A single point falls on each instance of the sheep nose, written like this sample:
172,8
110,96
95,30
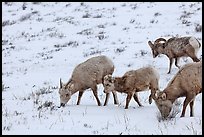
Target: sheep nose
104,91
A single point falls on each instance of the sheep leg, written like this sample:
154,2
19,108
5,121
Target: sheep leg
153,91
94,89
170,65
79,97
115,97
137,100
107,98
176,62
191,108
150,99
129,96
186,101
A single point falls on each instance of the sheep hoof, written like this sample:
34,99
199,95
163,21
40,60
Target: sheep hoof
181,116
150,101
116,103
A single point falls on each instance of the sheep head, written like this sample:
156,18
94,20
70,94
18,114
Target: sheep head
108,83
65,92
164,105
157,47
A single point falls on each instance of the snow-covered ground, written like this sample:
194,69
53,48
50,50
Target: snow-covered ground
43,42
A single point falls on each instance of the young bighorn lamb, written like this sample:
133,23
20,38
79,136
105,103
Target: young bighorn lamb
87,75
132,82
174,48
186,83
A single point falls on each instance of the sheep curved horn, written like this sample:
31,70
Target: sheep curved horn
159,39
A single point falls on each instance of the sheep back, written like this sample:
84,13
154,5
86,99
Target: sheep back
179,45
142,78
92,71
188,78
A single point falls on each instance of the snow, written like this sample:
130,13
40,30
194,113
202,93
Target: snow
45,41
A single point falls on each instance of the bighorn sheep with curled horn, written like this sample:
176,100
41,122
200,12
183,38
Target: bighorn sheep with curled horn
87,75
186,83
174,48
132,82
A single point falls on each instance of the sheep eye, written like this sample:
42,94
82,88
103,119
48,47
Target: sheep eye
67,95
107,84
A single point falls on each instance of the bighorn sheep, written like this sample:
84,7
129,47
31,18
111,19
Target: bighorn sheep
132,82
186,83
176,48
87,75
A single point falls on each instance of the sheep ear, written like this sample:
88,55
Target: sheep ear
156,94
70,86
60,83
110,78
163,96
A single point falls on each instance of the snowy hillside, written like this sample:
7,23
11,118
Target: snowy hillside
43,42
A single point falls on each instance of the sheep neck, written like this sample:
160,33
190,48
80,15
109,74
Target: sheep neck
172,93
119,85
73,90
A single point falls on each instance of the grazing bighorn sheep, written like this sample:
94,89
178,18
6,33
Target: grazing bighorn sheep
132,82
176,48
87,75
186,83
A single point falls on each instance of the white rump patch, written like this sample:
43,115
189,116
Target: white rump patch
194,42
